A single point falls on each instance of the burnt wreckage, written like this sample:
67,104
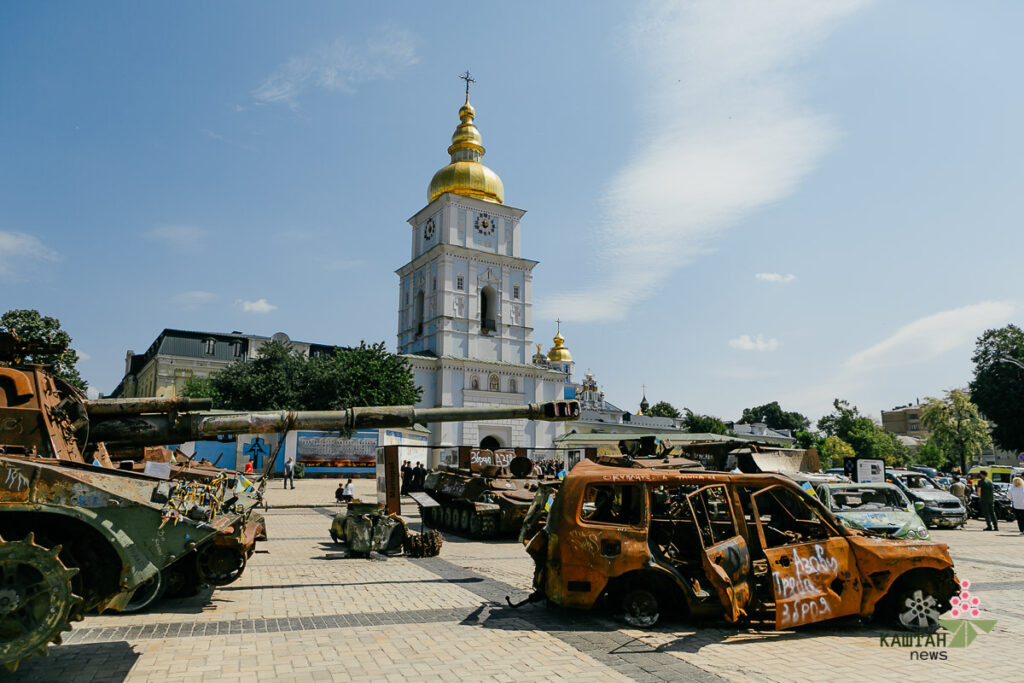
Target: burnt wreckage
79,534
747,547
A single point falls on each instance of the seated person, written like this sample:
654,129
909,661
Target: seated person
339,493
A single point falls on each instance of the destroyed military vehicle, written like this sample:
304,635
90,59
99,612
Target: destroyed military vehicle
745,547
366,528
877,507
77,534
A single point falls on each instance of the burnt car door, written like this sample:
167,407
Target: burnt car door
726,557
814,573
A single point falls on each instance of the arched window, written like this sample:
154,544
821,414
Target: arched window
490,443
475,383
419,313
494,383
488,309
512,385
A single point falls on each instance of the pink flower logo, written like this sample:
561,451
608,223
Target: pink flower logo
965,604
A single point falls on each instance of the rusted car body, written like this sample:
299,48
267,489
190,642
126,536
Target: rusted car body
744,546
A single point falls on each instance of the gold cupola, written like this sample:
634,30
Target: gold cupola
558,352
465,175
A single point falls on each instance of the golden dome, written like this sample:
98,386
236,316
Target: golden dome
465,175
558,352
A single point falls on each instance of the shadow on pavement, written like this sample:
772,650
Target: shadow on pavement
79,663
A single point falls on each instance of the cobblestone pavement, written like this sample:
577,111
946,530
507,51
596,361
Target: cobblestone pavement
302,613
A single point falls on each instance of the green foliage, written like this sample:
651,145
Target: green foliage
834,451
867,439
806,439
775,417
282,379
930,454
998,386
956,426
664,409
703,424
33,328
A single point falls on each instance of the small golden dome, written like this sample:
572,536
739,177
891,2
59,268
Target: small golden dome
465,175
558,352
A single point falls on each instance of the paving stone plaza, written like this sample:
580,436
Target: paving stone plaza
302,612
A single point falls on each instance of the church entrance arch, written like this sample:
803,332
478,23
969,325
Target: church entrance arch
490,443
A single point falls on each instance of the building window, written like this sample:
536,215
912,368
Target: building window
494,383
210,344
419,313
515,291
459,282
488,310
512,385
435,283
475,382
236,349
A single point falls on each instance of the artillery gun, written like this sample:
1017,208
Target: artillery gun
77,534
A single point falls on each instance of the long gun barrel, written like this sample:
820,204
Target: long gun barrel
137,429
139,406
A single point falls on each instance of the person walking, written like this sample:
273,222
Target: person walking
959,489
1017,501
289,472
406,477
419,473
248,467
987,499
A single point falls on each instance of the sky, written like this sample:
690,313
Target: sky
732,203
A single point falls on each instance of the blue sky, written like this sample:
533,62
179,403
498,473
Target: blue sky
731,202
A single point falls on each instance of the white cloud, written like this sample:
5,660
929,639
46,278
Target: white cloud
745,342
191,300
83,356
340,66
775,277
258,306
932,336
20,251
180,237
723,131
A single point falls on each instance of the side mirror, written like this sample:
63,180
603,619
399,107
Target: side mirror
918,505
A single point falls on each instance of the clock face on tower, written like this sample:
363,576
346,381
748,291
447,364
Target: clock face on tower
484,224
428,229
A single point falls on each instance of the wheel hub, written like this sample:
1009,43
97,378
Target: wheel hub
10,600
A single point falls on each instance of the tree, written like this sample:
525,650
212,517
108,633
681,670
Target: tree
806,439
867,439
664,409
930,454
33,328
998,386
283,379
834,451
775,417
956,426
703,424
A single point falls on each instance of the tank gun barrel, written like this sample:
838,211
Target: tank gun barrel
138,406
160,429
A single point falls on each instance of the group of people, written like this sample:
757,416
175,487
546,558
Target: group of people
412,477
344,492
987,502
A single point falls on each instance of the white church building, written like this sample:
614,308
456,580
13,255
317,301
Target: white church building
465,306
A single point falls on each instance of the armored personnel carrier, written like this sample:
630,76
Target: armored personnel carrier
77,534
480,502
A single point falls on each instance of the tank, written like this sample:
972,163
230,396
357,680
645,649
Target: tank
483,501
78,534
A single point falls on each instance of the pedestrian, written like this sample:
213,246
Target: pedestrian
1017,501
289,471
986,496
419,473
959,489
339,493
406,477
248,467
350,491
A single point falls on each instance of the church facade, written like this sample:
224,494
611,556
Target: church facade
465,306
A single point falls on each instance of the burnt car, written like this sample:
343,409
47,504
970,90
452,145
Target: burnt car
938,507
746,547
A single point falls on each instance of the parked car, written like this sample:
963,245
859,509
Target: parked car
740,546
1001,498
939,508
881,508
930,471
